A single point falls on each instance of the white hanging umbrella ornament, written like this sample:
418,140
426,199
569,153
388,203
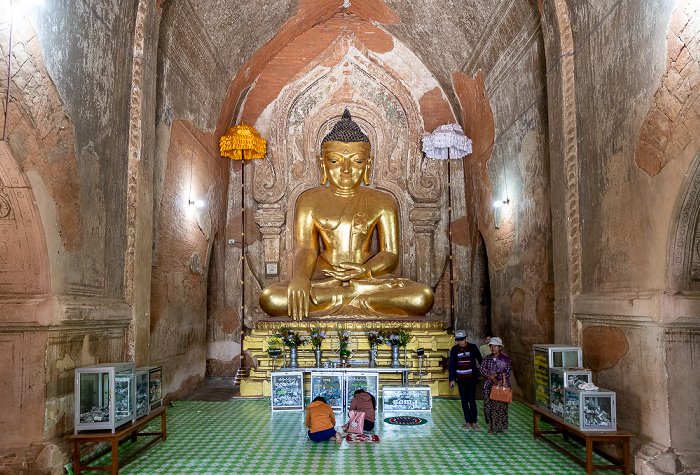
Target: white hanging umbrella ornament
445,143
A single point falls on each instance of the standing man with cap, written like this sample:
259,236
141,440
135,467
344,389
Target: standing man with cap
465,372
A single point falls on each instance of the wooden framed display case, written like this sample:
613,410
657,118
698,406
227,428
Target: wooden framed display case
330,386
287,391
414,398
552,356
104,396
560,378
590,410
368,381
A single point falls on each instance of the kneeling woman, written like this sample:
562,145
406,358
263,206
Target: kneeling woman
362,401
321,421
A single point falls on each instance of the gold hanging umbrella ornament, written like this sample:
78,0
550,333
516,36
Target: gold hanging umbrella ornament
242,142
240,139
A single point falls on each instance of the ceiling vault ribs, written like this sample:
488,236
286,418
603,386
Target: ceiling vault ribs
210,45
486,38
530,32
208,61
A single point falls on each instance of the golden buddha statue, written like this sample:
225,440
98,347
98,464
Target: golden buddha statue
334,270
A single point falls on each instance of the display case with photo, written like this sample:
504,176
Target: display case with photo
330,386
367,381
287,391
590,410
412,398
551,356
560,378
104,396
141,403
152,393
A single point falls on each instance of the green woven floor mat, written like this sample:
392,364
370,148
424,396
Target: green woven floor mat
246,438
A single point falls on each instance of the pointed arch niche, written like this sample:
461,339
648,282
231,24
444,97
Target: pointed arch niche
387,112
683,271
681,302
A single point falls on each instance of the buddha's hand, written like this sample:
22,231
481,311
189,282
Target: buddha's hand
299,293
349,270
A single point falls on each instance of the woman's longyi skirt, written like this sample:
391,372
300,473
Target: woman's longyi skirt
322,435
495,414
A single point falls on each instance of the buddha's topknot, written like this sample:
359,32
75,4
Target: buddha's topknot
346,130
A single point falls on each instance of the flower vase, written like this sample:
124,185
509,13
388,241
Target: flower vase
373,356
344,357
318,352
395,363
293,363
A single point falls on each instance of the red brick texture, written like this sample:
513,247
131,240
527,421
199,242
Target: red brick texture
295,46
194,164
673,121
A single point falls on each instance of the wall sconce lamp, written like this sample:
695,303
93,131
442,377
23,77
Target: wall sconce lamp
506,201
500,204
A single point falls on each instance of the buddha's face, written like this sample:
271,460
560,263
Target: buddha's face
345,164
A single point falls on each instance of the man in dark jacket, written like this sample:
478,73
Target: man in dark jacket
465,372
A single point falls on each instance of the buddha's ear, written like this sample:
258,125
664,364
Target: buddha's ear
322,167
368,169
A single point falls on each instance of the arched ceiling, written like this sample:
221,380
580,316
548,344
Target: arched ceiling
216,49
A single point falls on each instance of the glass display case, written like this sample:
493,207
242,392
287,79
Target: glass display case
330,386
552,356
560,378
590,410
354,381
413,398
287,391
155,386
150,394
104,396
141,403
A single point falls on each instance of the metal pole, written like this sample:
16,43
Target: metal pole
449,238
242,253
420,371
241,373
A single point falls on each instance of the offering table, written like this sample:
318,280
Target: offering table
129,431
589,438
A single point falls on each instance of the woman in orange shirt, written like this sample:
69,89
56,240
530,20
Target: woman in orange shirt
321,421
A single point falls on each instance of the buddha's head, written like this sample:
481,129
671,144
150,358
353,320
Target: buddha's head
345,158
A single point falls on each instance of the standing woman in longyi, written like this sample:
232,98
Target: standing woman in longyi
494,367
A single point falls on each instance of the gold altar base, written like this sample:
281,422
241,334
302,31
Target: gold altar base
428,335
